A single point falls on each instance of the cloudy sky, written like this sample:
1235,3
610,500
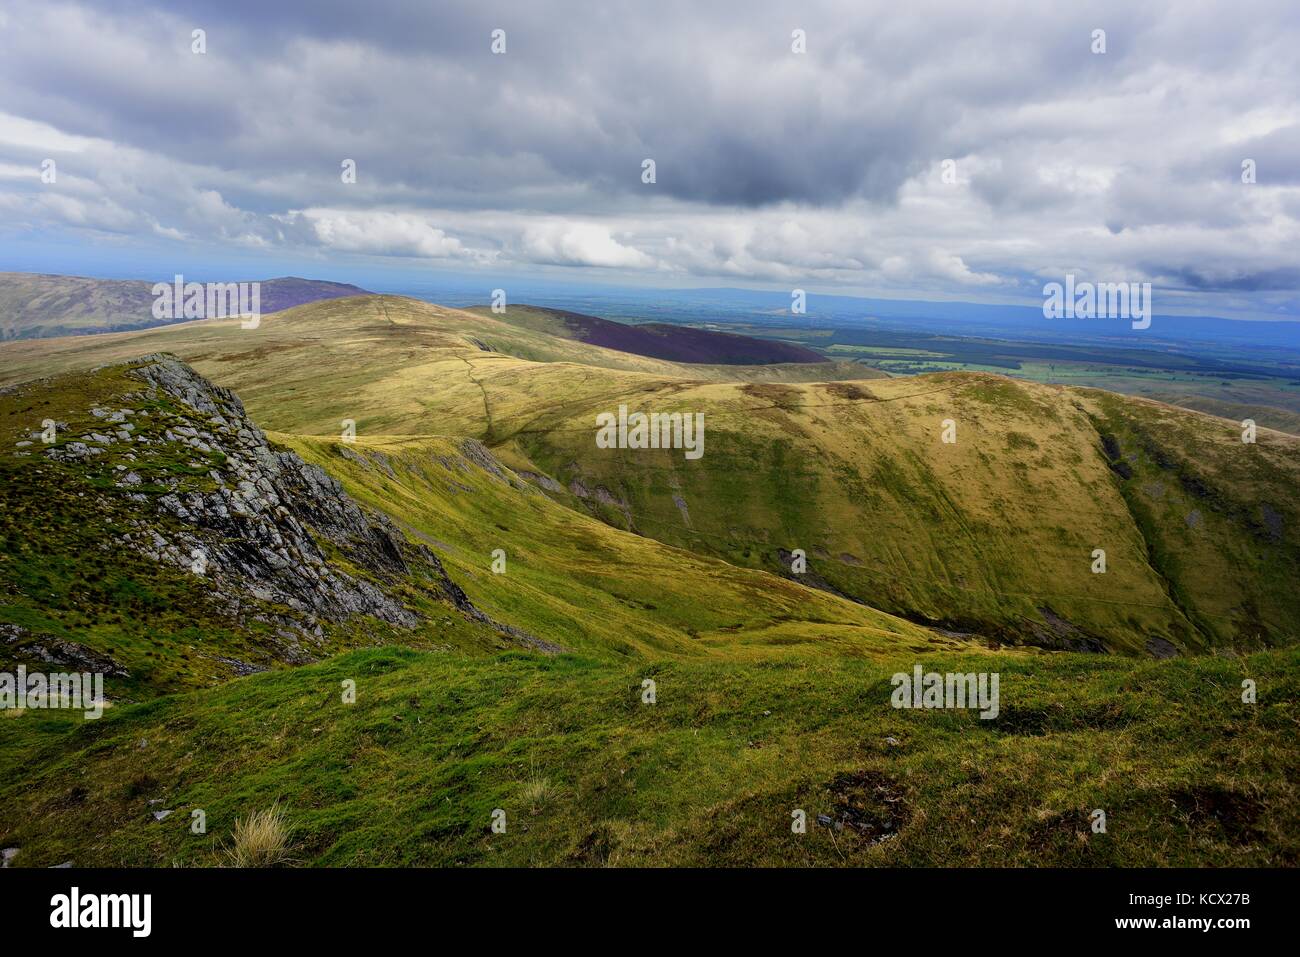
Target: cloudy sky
823,169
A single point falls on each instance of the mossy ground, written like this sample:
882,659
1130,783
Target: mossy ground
710,774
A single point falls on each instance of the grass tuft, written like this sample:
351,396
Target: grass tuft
261,839
537,790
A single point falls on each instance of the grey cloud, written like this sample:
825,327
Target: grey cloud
770,165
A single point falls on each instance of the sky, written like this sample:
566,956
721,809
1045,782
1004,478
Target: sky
913,150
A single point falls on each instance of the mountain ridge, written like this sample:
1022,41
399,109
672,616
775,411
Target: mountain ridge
698,688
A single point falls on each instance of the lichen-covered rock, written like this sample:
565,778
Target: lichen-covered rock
258,525
266,518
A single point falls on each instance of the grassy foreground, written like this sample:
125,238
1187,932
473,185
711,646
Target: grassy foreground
587,774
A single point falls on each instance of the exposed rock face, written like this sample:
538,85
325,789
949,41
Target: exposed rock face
70,654
256,524
217,500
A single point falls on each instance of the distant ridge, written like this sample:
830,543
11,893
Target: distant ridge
39,305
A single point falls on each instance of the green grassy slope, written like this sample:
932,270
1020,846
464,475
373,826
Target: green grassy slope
708,775
591,588
1220,516
993,534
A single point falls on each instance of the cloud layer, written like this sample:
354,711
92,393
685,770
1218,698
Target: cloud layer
925,149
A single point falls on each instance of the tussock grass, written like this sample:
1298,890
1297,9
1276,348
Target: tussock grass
537,790
261,839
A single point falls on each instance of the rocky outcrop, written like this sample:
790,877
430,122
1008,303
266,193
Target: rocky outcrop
258,520
216,499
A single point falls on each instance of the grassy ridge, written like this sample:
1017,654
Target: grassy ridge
772,692
35,305
993,534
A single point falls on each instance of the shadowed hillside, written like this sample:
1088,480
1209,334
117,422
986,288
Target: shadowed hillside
657,340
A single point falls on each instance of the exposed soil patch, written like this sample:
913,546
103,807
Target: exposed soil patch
868,806
594,847
1057,633
808,576
1234,812
1158,647
784,397
847,390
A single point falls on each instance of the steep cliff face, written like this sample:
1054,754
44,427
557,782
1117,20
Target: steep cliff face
164,479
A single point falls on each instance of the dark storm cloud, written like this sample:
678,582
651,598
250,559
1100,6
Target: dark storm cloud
713,94
1271,280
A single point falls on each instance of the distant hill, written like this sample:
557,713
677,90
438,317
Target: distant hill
37,305
657,340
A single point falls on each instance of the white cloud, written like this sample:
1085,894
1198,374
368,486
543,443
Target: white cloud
18,131
381,234
579,244
951,267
